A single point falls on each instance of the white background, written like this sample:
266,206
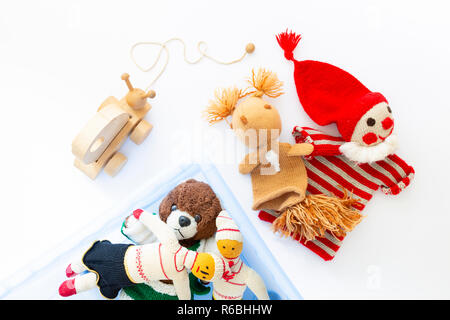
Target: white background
60,59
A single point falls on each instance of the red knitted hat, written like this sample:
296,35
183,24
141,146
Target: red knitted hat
327,93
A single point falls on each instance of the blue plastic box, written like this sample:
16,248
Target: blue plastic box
42,279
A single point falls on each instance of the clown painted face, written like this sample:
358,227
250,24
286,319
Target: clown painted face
372,139
374,126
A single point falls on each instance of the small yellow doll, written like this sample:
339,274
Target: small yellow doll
279,178
230,243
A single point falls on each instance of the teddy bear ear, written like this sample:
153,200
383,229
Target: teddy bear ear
166,205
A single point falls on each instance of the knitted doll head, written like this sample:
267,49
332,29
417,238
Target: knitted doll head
255,121
229,239
208,267
329,94
191,209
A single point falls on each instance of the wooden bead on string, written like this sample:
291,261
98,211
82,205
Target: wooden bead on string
201,48
249,48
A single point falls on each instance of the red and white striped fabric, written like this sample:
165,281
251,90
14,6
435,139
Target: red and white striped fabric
329,171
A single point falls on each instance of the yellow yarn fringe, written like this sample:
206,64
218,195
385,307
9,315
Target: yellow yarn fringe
263,82
266,82
223,105
316,214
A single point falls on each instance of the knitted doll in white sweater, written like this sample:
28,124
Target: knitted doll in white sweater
230,243
115,266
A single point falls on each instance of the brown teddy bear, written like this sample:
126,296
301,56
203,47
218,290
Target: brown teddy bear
190,209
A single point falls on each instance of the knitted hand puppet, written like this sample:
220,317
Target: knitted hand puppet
230,243
112,267
362,160
279,178
190,209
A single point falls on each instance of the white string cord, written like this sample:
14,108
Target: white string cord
201,47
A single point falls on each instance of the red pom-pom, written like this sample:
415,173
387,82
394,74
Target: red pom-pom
288,41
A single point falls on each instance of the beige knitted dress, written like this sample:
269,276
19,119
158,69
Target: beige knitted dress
279,190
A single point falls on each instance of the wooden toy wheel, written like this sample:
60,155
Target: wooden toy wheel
116,163
141,132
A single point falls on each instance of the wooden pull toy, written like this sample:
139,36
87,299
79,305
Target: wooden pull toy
98,143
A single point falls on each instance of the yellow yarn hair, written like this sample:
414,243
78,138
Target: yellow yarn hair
223,105
266,82
316,214
263,82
